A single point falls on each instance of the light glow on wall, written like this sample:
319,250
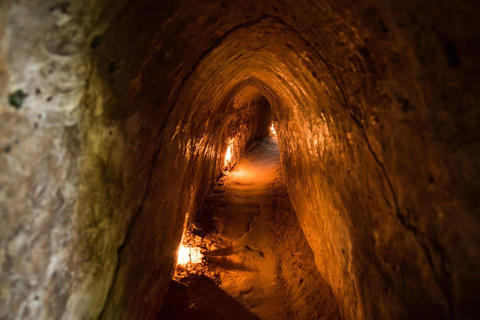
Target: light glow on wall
188,255
272,130
229,154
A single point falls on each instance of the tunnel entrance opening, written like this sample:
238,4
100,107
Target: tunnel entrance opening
256,261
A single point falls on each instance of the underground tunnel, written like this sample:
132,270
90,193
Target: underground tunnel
310,159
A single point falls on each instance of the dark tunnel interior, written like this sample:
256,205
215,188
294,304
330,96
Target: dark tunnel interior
309,159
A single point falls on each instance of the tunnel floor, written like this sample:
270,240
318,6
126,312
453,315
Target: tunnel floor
257,263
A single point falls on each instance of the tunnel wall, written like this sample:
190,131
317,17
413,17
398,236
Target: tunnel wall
376,113
41,55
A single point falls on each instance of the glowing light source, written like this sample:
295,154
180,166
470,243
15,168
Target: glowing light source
229,154
188,255
272,130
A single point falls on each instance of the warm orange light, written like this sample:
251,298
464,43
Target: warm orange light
272,130
228,155
188,255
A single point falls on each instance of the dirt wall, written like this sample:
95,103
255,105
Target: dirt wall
116,116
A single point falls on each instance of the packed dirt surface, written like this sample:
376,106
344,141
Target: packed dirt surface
257,263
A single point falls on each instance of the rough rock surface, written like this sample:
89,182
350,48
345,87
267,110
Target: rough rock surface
126,109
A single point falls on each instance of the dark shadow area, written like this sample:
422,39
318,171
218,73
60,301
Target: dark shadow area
220,252
225,264
200,298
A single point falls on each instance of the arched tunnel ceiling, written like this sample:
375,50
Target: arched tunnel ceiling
375,108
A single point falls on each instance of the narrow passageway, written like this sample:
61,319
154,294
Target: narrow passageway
118,119
257,263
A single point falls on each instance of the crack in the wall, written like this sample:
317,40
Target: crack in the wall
419,235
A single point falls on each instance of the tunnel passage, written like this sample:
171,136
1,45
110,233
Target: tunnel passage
116,117
245,255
